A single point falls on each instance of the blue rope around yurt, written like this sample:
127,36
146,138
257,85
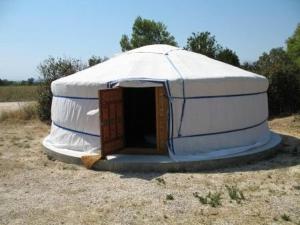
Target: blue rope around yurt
75,131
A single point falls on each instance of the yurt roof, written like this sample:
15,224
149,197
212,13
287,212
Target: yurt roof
156,62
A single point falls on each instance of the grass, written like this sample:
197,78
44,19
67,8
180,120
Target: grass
212,199
285,217
161,181
18,93
170,197
27,112
235,194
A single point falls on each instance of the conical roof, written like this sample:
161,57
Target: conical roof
162,62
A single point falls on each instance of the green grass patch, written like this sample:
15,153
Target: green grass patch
169,197
13,93
160,181
212,199
235,193
285,217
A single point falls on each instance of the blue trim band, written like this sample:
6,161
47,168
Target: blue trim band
75,131
222,132
220,96
172,97
183,93
72,97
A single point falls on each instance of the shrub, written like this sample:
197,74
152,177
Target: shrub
170,197
235,194
50,70
213,199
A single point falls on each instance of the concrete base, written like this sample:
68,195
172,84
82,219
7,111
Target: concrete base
158,163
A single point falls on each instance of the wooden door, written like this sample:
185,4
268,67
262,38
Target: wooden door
111,120
161,120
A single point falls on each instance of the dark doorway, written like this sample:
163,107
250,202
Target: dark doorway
139,117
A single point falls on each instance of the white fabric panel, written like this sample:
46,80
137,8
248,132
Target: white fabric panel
210,115
72,114
86,83
61,138
202,144
206,76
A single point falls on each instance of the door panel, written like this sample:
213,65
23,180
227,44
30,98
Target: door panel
161,120
111,120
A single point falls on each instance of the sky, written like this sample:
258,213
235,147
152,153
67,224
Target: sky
33,30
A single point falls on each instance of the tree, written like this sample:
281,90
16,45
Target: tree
96,60
293,46
276,61
250,66
284,88
50,70
203,43
30,81
228,56
146,32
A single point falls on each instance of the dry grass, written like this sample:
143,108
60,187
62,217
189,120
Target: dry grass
36,190
18,93
286,125
26,112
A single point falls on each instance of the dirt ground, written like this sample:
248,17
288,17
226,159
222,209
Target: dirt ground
37,190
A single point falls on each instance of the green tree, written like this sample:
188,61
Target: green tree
203,43
293,46
50,70
276,61
96,60
146,32
30,81
250,66
284,89
228,56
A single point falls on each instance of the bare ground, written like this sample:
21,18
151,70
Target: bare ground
36,190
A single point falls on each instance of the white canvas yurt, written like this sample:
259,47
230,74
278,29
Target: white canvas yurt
159,99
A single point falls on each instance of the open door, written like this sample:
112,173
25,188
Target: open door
161,120
111,120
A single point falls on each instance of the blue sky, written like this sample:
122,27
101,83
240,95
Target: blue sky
32,30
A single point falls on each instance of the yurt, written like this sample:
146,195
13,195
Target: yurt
160,100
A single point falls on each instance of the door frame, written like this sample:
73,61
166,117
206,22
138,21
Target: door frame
161,117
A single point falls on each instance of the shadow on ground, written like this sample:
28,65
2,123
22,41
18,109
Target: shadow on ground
288,155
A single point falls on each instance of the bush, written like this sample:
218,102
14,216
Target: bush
50,70
284,79
283,94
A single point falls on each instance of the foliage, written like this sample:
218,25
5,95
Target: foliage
169,197
228,56
94,60
293,46
285,217
161,181
235,193
30,81
283,75
203,43
147,32
50,70
213,199
206,44
249,66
